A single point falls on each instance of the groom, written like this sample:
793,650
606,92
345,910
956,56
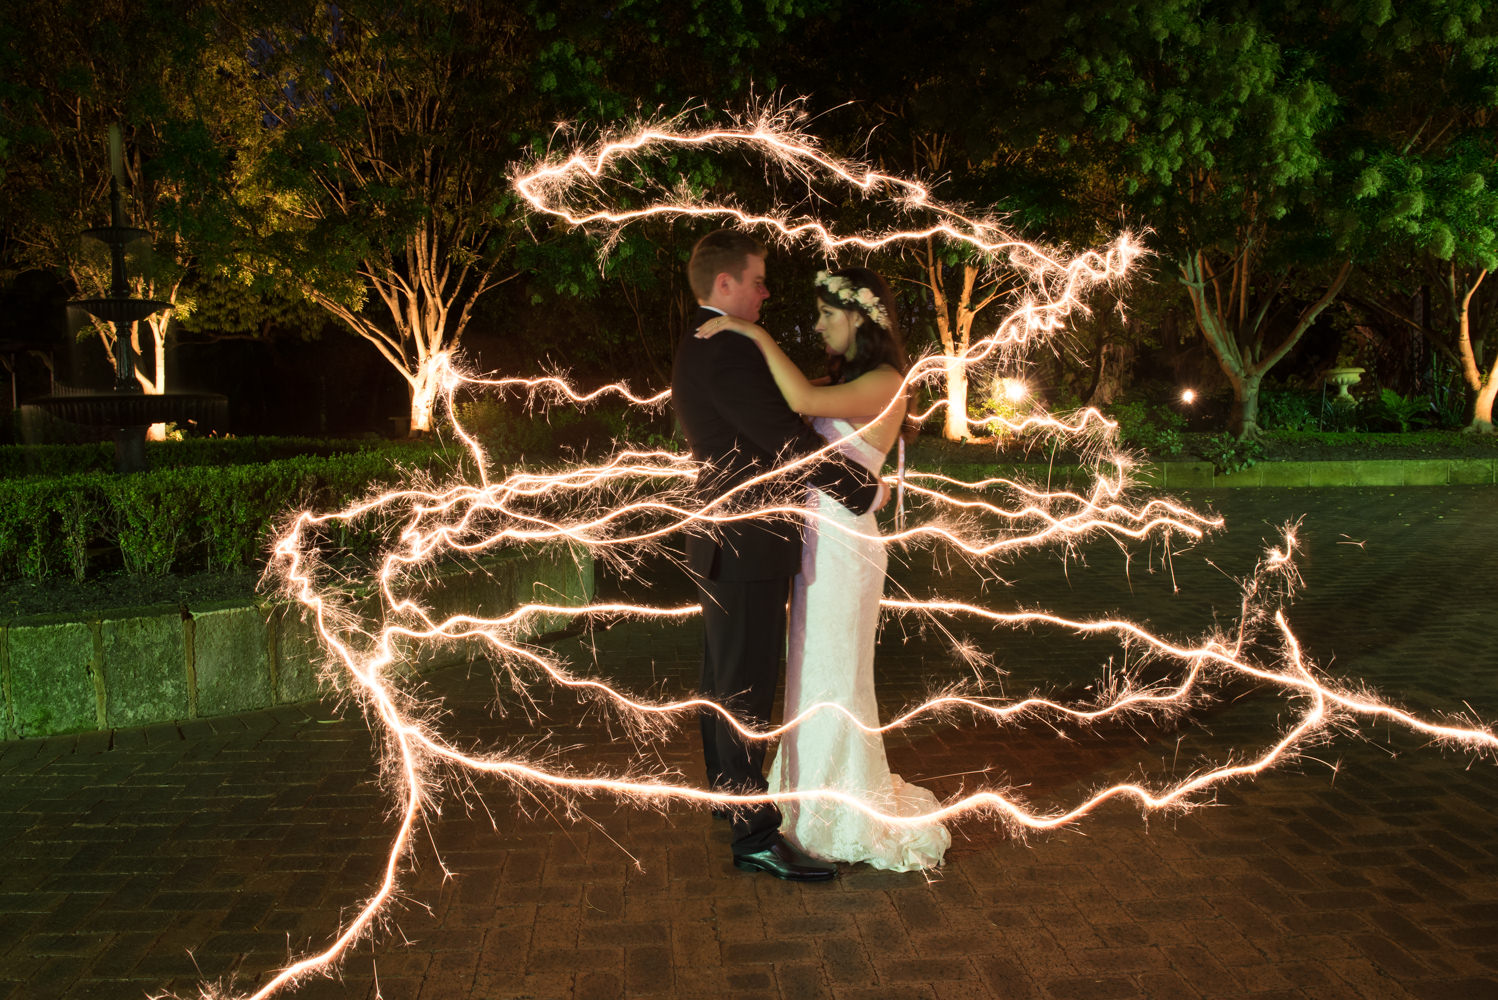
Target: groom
738,427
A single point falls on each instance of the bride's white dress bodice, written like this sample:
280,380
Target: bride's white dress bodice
830,673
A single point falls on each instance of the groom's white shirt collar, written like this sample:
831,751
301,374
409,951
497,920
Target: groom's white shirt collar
715,309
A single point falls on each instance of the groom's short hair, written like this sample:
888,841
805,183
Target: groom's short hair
725,251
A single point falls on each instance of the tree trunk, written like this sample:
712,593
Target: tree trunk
158,327
954,325
1245,420
1483,389
424,385
956,427
1482,406
1112,375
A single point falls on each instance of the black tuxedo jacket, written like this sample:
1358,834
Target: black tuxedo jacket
739,426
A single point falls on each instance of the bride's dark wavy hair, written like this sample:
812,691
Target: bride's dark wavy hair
873,344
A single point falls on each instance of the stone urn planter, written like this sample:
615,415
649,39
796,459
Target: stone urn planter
1343,379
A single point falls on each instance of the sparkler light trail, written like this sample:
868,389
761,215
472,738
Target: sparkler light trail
1055,284
618,507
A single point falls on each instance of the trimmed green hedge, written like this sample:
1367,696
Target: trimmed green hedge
18,461
189,518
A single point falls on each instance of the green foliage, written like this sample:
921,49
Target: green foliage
342,145
1437,443
1228,453
1448,402
75,69
993,405
1391,411
1149,427
639,429
46,526
24,530
1244,108
1289,408
240,498
1440,202
19,461
75,500
1266,144
151,514
224,304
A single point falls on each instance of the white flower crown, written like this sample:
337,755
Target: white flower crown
865,300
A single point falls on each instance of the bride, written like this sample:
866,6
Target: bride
835,598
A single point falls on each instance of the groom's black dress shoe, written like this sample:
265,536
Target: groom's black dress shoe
784,861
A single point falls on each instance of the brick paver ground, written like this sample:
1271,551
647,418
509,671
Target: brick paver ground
161,859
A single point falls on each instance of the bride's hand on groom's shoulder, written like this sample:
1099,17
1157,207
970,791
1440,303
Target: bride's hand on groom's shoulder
720,323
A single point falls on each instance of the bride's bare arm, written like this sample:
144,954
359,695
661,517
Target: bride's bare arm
861,398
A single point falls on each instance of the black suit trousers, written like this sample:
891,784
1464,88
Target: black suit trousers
743,639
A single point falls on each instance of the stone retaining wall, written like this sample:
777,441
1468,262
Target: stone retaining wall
141,666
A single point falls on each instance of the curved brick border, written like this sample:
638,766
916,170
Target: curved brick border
167,663
1415,472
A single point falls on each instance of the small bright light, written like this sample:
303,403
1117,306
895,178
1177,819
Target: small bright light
1015,390
1188,396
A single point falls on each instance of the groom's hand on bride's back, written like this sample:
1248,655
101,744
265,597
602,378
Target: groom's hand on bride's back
849,483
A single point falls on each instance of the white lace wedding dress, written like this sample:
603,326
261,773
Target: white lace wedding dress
834,617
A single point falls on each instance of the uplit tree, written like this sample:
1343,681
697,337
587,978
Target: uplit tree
382,166
960,288
1428,183
1440,253
961,284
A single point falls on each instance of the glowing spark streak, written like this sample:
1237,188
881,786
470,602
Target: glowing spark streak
1113,509
794,150
524,484
590,532
466,626
416,742
364,920
1301,679
1173,794
565,390
463,626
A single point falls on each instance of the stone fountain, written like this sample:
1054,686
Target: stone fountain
126,408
